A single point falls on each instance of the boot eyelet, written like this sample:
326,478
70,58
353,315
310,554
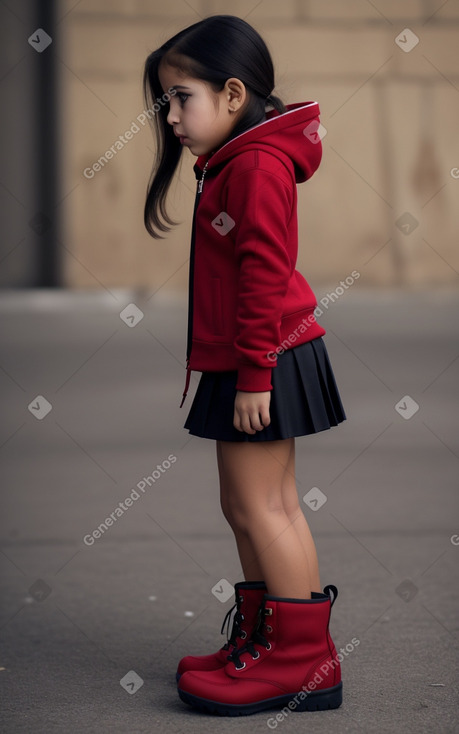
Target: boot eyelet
243,634
256,656
240,667
268,646
269,628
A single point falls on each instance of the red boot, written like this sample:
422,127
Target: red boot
249,595
290,661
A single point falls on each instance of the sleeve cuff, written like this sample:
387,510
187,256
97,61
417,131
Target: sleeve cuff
252,378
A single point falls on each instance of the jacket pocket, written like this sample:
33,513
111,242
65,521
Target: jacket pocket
217,306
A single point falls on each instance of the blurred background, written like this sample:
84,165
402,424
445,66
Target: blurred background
93,320
382,201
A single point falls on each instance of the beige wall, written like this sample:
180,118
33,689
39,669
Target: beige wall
392,138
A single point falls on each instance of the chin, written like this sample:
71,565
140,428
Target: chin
200,149
196,150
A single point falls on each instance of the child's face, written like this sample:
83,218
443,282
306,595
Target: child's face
201,118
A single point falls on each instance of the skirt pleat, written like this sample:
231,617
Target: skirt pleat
304,399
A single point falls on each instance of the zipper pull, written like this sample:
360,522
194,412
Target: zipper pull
204,171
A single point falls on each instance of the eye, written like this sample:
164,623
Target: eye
182,97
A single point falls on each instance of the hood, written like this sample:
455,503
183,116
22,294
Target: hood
293,133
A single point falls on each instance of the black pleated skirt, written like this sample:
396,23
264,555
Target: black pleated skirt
304,399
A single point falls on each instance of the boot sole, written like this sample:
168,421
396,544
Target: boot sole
328,698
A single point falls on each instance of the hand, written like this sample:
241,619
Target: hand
251,411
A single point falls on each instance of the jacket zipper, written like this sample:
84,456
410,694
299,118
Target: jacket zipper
190,284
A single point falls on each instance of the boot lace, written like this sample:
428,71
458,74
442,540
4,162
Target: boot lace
236,630
256,638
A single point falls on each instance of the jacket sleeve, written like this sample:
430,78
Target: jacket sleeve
260,202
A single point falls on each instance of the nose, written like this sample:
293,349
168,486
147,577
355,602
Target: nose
172,117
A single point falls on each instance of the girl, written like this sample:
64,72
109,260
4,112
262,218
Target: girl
266,377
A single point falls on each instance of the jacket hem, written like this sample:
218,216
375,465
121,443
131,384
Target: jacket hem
221,357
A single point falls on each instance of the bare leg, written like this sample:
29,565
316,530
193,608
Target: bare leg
253,480
249,561
298,520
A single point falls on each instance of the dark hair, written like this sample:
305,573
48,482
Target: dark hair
214,50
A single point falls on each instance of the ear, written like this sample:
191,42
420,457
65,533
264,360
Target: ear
236,94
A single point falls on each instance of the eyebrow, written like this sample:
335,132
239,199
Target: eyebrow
179,86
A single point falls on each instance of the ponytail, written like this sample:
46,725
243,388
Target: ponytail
276,102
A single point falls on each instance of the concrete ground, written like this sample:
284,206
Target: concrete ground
78,618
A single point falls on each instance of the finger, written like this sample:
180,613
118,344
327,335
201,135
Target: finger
237,421
265,417
256,422
246,424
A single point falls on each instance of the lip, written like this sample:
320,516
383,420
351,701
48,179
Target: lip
182,138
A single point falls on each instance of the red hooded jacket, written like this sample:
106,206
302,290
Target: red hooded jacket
247,302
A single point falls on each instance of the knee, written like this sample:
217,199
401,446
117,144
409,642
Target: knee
233,514
293,511
226,509
292,506
229,510
243,516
